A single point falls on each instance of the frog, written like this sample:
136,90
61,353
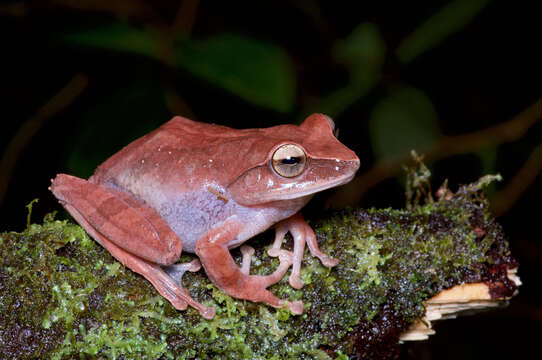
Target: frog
206,189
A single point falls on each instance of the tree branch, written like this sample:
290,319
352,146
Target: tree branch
63,295
509,131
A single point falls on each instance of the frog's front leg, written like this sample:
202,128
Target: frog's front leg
301,233
220,267
131,231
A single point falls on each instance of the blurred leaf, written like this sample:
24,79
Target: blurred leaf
258,72
450,19
111,124
118,37
363,52
403,121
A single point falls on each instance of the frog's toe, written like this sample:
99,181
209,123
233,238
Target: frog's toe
296,307
328,261
295,281
207,312
179,304
247,252
286,257
273,252
194,265
176,271
265,296
280,232
315,251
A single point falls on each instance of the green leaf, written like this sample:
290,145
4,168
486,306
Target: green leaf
258,72
121,117
363,50
403,121
448,20
118,37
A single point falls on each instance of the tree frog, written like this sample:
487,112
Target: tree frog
205,189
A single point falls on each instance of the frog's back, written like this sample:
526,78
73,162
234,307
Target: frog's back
178,137
178,133
179,169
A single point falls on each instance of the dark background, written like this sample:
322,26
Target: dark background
81,79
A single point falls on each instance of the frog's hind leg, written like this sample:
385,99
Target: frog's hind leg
127,228
121,218
162,282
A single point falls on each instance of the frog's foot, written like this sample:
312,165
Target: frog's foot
301,233
258,284
325,259
285,258
176,271
298,233
236,281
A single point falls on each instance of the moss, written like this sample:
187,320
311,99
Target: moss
62,295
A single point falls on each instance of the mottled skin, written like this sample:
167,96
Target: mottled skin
206,189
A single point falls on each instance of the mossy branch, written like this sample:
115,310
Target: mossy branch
61,294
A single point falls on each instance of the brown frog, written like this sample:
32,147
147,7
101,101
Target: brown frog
206,189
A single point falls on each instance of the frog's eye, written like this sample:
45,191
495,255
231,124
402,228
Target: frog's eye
289,160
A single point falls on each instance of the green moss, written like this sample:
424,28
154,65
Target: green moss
115,339
61,294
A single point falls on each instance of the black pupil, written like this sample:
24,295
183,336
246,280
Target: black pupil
291,160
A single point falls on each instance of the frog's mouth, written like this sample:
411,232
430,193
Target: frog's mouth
303,189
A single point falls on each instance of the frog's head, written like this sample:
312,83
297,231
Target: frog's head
292,162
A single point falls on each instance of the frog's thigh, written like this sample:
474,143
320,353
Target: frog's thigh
128,223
